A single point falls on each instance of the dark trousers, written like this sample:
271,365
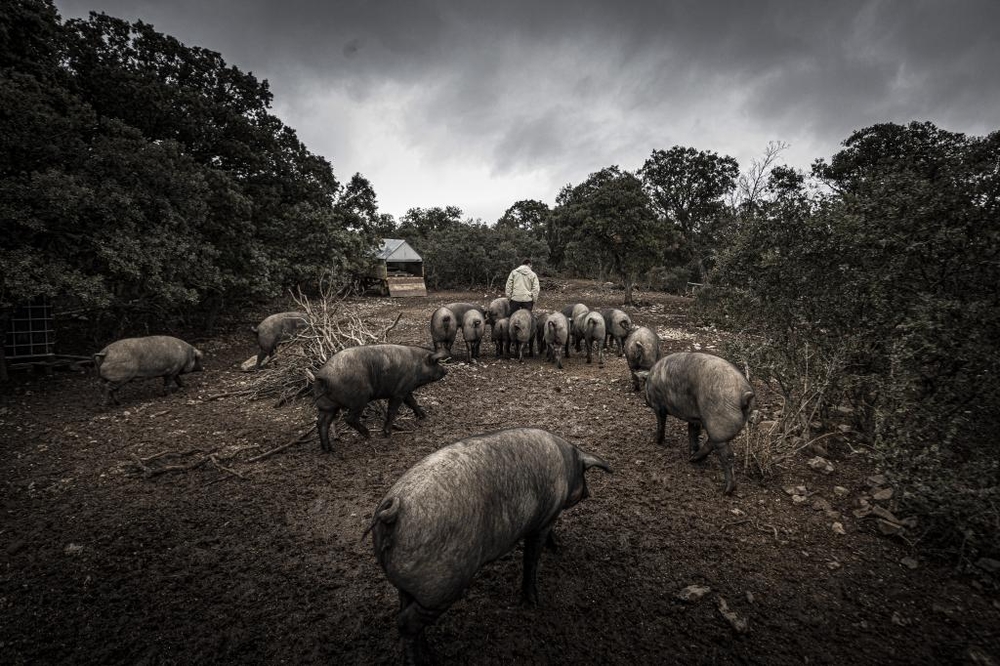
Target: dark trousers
521,305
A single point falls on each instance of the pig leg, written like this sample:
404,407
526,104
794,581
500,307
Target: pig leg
354,420
167,379
325,422
551,542
177,380
411,622
261,355
390,415
694,433
661,424
726,458
533,544
411,402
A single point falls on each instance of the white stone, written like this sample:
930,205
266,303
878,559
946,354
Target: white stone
693,593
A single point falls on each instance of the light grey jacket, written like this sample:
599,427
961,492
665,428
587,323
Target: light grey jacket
522,284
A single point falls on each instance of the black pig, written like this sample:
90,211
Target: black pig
355,376
703,390
468,504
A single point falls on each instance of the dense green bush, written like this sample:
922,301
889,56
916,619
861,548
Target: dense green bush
890,281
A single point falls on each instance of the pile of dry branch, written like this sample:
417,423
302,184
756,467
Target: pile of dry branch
335,322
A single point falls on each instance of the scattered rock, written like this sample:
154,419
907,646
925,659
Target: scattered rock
72,548
882,494
820,464
876,480
909,563
899,620
251,363
738,512
838,528
818,449
863,512
693,593
885,514
739,624
749,597
820,504
799,499
980,657
841,491
833,565
888,528
796,490
844,428
988,564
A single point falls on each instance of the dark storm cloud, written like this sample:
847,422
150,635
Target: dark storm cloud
568,87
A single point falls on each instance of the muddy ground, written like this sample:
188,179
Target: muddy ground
235,561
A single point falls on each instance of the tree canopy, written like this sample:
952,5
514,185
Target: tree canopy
140,175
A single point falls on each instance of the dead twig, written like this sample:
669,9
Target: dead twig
733,524
290,443
385,333
215,461
224,394
151,471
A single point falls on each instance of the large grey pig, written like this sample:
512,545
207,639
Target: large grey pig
499,308
472,333
355,376
555,337
444,327
274,330
617,325
521,331
501,337
706,391
461,308
642,350
466,505
144,358
541,317
588,327
571,312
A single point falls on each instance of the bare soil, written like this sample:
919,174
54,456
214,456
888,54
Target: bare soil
234,561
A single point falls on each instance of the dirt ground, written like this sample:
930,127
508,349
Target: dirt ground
236,561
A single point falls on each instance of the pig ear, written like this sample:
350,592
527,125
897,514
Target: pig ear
439,356
593,461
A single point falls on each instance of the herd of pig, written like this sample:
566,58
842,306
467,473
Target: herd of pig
473,501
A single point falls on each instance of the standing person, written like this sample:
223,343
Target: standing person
522,287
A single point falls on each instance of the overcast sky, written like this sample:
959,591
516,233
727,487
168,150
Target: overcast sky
480,104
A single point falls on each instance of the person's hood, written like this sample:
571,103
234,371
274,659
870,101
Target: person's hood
523,269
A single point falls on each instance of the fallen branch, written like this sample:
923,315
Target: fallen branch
290,443
224,394
385,333
148,471
215,461
733,524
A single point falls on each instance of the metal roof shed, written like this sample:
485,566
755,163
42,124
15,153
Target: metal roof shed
400,269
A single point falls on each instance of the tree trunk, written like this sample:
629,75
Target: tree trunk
629,282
